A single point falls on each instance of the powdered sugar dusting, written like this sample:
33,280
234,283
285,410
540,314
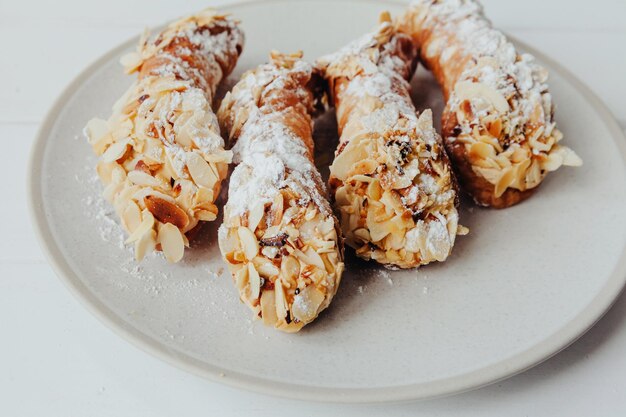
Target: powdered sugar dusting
374,69
270,156
497,64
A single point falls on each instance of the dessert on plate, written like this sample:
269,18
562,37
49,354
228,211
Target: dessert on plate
161,156
498,124
391,180
279,238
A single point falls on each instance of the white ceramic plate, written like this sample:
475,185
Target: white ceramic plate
523,285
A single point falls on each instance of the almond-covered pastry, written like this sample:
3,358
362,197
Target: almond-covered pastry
279,237
162,158
498,123
391,179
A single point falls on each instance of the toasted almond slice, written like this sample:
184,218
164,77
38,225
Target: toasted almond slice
143,179
354,152
98,136
481,150
166,212
111,190
468,90
205,215
271,232
145,244
341,196
268,307
270,252
504,182
314,257
326,226
172,243
362,178
249,243
378,231
131,218
218,156
105,171
255,215
307,303
281,302
115,151
131,62
363,167
277,209
96,129
362,234
146,224
204,195
265,267
200,170
241,278
146,191
290,268
255,281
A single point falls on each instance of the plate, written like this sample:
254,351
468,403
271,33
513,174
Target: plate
524,284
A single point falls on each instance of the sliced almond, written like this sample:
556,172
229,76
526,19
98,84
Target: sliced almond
265,267
115,151
504,182
255,215
290,268
105,171
354,152
200,170
307,303
145,244
204,195
166,212
481,150
172,243
363,167
270,251
281,302
131,218
146,224
205,215
131,62
255,281
241,278
143,179
469,90
146,191
268,307
98,136
249,243
277,209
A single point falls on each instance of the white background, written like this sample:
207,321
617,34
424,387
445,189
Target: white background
58,360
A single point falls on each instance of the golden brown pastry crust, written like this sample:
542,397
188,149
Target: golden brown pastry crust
279,238
498,122
162,159
391,180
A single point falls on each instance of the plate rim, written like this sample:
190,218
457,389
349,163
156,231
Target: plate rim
513,365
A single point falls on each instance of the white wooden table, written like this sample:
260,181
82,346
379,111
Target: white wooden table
58,360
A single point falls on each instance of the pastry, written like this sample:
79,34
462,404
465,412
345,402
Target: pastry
279,237
161,156
391,180
498,124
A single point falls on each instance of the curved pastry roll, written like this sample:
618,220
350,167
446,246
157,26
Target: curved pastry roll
162,158
498,123
391,179
279,237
